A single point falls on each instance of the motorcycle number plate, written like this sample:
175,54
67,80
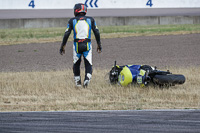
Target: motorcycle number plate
139,79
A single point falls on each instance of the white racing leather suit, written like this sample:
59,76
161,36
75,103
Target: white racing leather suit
82,26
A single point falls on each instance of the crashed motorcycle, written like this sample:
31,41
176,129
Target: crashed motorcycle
143,75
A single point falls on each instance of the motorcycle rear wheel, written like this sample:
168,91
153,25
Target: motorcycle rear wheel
169,79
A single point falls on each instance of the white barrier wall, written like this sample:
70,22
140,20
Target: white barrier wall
95,4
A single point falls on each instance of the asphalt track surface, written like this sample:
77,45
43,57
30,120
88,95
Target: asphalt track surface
66,13
142,121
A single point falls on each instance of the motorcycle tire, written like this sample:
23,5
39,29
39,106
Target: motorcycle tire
169,79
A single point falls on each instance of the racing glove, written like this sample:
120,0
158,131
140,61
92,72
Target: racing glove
62,49
99,48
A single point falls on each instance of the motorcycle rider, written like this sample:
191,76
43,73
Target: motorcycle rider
81,26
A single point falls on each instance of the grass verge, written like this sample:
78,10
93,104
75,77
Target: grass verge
22,36
55,91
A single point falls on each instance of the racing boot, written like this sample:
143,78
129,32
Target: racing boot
77,80
87,80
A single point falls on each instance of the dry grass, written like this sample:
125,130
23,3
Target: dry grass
55,90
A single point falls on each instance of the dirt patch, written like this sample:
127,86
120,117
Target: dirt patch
160,51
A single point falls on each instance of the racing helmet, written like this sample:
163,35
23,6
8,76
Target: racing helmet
80,8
